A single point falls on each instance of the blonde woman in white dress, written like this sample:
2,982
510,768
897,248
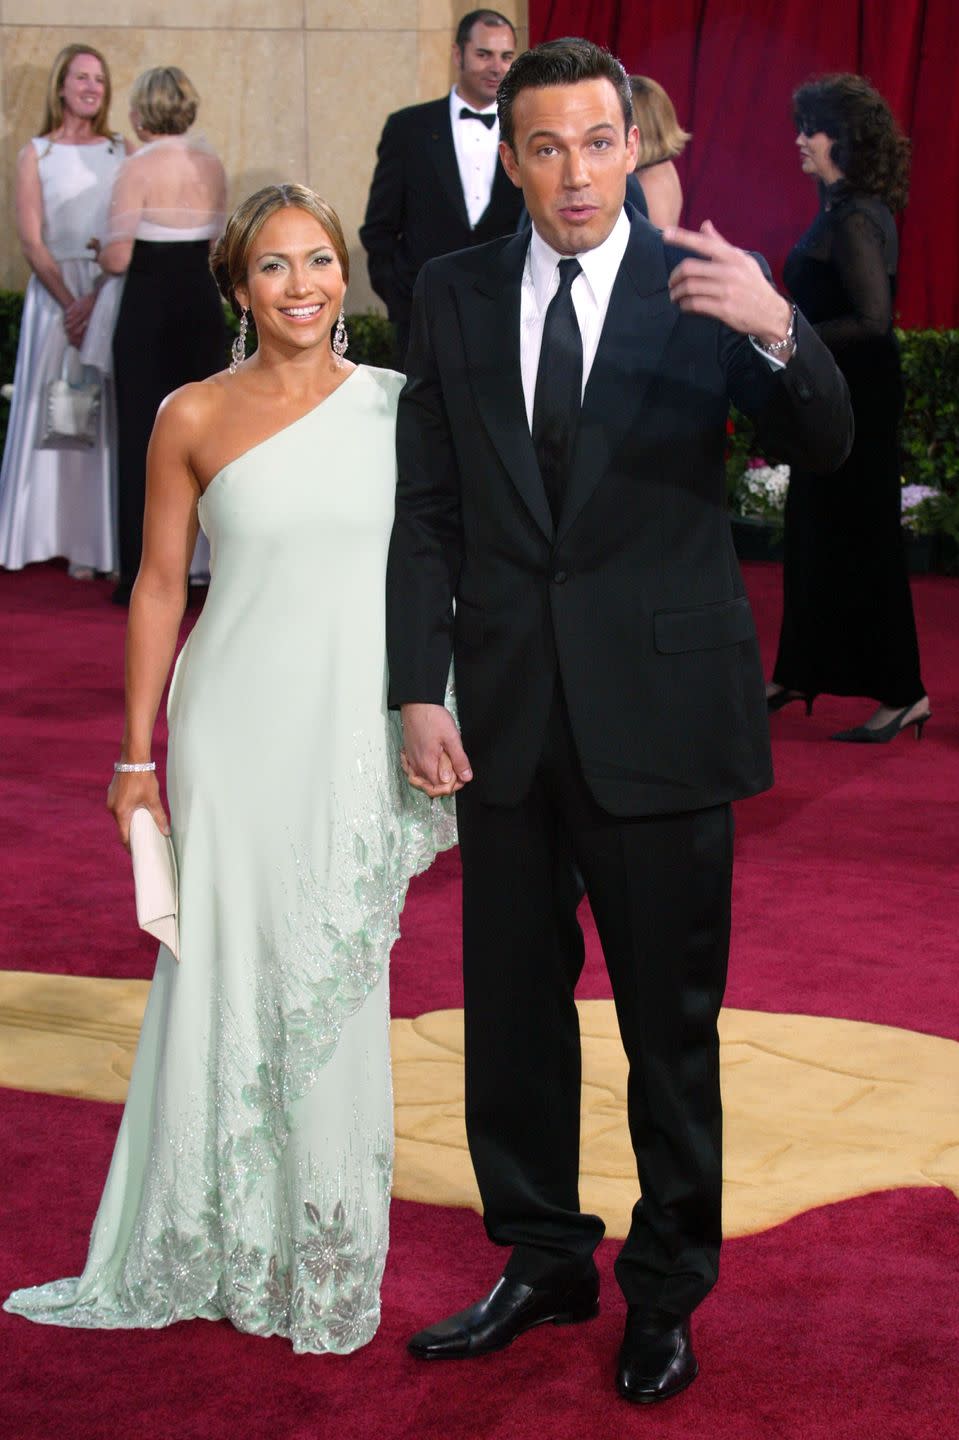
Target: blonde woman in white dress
57,502
251,1175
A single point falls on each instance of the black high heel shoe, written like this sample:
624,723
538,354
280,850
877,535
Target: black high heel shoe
786,697
882,734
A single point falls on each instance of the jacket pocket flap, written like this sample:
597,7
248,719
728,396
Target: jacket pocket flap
708,627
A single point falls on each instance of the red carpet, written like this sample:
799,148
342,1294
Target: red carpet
847,885
840,1325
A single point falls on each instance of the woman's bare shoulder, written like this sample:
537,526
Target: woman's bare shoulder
203,420
197,405
663,191
661,176
27,155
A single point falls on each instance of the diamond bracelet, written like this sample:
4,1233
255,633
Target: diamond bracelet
121,769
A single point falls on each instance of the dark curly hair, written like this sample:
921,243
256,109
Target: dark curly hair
868,146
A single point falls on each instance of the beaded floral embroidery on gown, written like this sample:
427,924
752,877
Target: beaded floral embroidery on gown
252,1169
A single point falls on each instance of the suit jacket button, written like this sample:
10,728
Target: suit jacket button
803,391
560,577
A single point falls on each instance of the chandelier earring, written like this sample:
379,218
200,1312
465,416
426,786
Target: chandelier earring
238,349
340,340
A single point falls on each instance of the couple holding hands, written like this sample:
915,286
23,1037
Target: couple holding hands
544,499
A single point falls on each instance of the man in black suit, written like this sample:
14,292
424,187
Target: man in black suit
438,185
561,483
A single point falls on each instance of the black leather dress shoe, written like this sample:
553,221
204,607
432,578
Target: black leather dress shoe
656,1360
507,1311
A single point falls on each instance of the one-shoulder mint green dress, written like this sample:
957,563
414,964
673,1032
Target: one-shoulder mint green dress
251,1175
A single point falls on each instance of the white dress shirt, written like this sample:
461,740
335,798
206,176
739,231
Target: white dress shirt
477,155
590,294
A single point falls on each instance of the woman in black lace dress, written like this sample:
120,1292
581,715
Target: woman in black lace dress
848,626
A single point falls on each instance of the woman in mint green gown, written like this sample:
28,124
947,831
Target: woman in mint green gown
251,1174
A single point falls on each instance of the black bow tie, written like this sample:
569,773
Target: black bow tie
488,120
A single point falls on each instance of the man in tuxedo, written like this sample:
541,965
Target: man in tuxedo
438,185
560,529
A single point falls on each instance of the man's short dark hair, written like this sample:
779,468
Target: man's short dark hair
480,17
561,62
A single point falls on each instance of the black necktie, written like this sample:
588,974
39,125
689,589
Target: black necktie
488,120
558,396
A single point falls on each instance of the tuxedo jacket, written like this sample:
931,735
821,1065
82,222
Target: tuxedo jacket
634,600
416,208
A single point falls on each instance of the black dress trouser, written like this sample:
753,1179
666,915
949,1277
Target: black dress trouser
659,887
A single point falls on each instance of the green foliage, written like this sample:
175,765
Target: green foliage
11,309
741,443
938,516
371,340
929,434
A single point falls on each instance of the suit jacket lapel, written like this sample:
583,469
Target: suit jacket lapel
502,188
637,328
490,319
444,158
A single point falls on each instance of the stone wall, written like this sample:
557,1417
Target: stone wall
290,89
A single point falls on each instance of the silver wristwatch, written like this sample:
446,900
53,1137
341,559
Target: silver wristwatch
777,347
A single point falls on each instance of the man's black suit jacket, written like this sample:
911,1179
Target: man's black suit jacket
635,597
416,208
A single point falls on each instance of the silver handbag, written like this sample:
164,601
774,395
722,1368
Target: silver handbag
70,413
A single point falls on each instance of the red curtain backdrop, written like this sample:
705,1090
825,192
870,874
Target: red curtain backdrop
731,66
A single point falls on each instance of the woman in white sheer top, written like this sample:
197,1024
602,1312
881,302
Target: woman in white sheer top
167,207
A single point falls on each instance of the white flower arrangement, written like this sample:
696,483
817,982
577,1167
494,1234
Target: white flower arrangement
761,495
912,497
762,491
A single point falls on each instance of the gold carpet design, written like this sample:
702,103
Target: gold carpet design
817,1110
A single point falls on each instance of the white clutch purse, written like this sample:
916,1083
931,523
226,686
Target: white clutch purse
154,880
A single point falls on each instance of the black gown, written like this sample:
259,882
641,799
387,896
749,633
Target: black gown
170,330
848,625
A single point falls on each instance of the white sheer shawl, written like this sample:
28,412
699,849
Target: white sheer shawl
174,184
173,188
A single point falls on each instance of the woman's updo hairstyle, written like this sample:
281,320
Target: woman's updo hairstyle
165,100
661,137
230,257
